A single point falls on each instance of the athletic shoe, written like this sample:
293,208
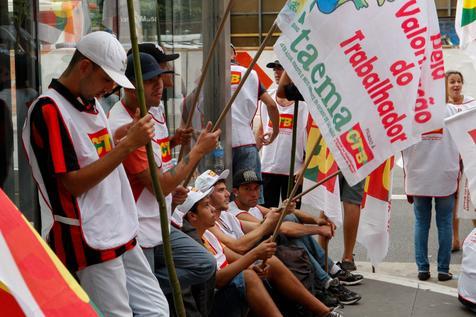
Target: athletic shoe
347,265
347,278
423,276
326,297
345,296
335,313
442,277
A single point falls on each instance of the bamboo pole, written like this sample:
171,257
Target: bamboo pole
293,148
196,95
164,221
310,189
235,94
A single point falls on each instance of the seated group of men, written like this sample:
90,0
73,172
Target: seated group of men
251,271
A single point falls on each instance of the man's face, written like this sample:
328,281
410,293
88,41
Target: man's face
167,78
93,81
248,194
153,89
220,198
278,72
205,215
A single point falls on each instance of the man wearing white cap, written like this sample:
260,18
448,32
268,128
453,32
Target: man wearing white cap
239,280
89,216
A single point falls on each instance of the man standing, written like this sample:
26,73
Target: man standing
194,265
243,110
88,210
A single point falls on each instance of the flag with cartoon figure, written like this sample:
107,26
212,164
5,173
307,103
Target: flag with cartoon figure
33,281
374,224
324,198
374,83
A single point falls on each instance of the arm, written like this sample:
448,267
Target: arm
238,263
283,82
273,114
296,230
79,181
245,243
172,178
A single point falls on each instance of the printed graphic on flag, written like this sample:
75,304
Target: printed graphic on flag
468,14
378,183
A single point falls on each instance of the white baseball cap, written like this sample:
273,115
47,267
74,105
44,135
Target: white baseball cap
106,51
193,196
209,179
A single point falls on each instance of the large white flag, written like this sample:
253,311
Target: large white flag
466,209
361,79
462,127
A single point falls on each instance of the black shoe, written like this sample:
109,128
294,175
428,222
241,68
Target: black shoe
442,277
347,278
326,297
423,276
344,295
347,265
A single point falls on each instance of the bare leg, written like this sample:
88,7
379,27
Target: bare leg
351,225
456,243
258,298
288,285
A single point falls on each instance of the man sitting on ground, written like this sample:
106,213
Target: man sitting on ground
231,231
239,277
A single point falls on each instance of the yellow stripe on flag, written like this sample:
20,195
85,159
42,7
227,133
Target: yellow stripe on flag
469,4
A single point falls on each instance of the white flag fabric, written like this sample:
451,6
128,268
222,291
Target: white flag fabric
462,127
466,208
361,79
374,224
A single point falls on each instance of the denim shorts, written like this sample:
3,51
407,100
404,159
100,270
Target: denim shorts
351,194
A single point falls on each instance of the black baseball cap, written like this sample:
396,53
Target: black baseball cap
150,67
156,51
274,64
246,177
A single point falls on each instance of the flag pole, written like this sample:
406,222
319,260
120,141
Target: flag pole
164,220
310,189
196,95
235,94
293,148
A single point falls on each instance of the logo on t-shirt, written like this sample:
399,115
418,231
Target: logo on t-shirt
472,134
102,141
165,150
235,78
356,144
285,121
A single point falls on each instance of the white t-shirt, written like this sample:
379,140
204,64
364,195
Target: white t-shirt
467,278
254,211
432,166
468,103
244,107
214,246
230,225
150,233
276,157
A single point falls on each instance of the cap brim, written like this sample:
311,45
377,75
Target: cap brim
155,73
223,175
188,204
119,78
169,57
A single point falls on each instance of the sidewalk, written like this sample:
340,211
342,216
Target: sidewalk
400,296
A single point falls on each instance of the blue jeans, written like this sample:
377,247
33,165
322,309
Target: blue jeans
247,158
193,263
444,222
315,252
230,300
